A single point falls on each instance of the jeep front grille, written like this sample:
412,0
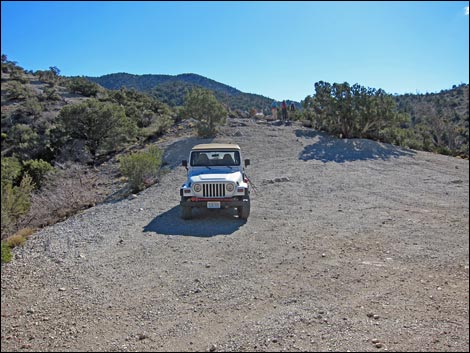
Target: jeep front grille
213,190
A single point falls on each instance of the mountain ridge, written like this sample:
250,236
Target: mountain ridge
171,89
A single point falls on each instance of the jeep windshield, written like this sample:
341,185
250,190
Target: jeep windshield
215,158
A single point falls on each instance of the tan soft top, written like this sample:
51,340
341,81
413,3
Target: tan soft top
216,147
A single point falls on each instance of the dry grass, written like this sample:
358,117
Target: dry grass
19,237
65,193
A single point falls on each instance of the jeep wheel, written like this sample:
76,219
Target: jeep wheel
244,212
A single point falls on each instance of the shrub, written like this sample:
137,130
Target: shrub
141,168
16,201
25,140
83,86
158,127
37,169
202,105
15,240
11,170
63,193
6,252
103,126
18,239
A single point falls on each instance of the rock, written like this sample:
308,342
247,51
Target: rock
141,336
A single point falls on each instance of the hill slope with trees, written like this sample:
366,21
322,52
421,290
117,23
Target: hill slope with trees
172,89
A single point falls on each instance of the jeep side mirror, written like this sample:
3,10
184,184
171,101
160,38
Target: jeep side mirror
247,162
184,163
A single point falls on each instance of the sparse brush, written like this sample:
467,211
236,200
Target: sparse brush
6,252
25,232
15,240
141,168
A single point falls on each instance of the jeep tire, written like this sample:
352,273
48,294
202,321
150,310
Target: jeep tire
186,211
244,211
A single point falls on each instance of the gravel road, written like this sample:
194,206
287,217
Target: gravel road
350,245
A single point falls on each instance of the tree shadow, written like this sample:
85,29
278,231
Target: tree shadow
327,148
204,223
179,150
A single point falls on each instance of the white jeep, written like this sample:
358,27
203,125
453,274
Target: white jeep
216,179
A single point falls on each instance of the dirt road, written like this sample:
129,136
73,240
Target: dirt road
350,245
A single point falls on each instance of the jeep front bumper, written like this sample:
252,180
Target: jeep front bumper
206,203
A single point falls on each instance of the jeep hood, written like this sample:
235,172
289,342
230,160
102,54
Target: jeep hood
215,175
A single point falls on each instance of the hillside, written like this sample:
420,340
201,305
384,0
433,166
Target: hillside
172,89
441,117
350,245
35,143
149,81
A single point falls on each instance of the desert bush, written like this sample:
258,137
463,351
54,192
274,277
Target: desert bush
24,141
32,106
62,194
50,94
141,168
103,126
201,104
16,201
37,169
19,238
6,252
16,91
83,86
158,127
11,170
18,75
15,240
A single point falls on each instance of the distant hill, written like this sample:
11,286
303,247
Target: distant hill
149,81
172,89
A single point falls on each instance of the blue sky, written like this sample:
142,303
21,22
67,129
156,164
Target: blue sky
273,48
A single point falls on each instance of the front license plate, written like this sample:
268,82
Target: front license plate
213,204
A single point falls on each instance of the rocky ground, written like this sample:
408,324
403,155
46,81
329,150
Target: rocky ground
351,245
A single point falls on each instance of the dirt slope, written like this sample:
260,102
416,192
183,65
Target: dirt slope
350,245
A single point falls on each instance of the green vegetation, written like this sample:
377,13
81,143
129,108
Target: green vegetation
201,105
83,86
141,168
432,122
173,89
53,129
102,126
152,117
6,252
439,121
16,200
37,169
18,239
353,111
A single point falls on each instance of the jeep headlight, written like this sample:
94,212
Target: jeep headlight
229,187
197,187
